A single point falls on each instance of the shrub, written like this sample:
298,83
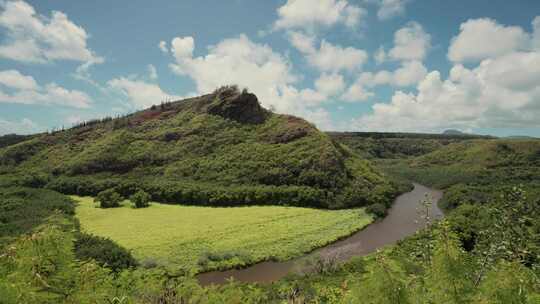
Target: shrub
149,263
108,199
379,210
209,259
104,251
140,199
321,264
23,209
33,180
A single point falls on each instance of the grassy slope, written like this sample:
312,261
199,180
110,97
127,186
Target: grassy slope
227,237
188,147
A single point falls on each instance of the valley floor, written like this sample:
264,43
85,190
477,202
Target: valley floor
207,238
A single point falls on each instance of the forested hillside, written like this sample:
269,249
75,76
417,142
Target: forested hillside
375,145
218,149
475,171
11,139
467,167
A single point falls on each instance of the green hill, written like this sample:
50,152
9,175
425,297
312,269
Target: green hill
11,139
470,168
476,171
486,154
391,145
482,162
218,149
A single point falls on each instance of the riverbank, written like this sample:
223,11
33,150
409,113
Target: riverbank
212,238
403,220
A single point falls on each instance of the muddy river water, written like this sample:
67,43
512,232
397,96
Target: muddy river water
403,220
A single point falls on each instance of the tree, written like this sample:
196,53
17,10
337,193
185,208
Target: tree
104,251
384,282
108,199
448,276
509,283
140,199
377,209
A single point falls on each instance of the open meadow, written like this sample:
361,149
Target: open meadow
205,238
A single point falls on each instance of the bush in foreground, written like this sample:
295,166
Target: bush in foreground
140,199
379,210
23,209
108,199
104,251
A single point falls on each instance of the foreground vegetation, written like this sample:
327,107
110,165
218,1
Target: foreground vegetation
24,209
431,267
203,238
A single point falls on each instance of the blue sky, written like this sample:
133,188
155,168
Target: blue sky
370,65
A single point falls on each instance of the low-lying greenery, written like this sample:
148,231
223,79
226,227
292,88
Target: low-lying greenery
430,267
104,251
217,238
108,199
140,199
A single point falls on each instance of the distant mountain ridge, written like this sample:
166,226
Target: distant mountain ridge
521,137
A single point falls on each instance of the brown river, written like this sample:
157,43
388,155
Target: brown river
403,220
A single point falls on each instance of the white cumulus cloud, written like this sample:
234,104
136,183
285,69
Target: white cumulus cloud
328,57
536,33
23,126
479,39
257,67
34,38
163,46
500,92
408,74
380,55
182,47
410,43
139,93
356,92
152,72
239,61
309,14
391,8
330,84
18,88
14,79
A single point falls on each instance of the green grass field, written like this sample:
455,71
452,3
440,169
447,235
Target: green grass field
217,238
